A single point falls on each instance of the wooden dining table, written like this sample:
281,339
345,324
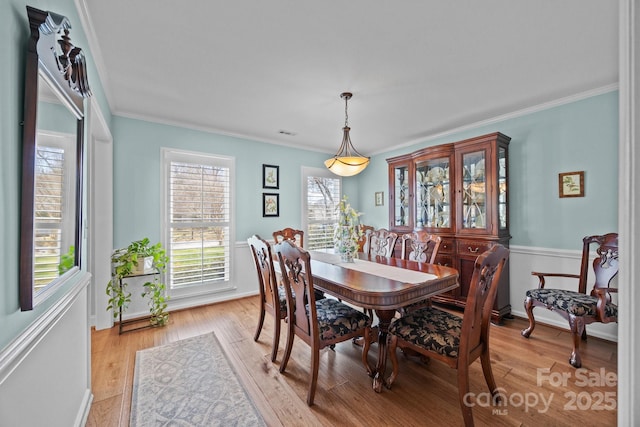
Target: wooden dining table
381,284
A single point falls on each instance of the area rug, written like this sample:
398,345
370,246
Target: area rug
189,383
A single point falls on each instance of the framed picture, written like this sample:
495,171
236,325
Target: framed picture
571,184
270,176
270,204
379,198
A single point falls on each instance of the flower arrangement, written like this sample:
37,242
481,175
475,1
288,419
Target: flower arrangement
347,231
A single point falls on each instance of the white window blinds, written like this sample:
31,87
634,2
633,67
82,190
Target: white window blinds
322,197
199,204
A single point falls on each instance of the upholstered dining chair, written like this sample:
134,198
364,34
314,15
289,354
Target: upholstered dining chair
457,341
297,236
380,242
578,307
273,298
319,323
419,246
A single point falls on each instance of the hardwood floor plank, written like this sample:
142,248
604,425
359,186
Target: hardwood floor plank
423,394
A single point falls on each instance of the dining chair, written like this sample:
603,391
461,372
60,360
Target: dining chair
380,242
297,236
273,298
419,246
578,307
363,238
319,323
454,340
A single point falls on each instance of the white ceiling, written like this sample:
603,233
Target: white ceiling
416,68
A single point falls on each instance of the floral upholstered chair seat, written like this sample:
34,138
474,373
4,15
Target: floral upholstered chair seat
430,328
336,319
574,303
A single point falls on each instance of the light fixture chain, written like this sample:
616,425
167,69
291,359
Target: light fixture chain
346,115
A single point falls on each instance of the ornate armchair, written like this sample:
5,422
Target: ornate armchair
380,242
273,299
454,340
319,323
297,236
578,307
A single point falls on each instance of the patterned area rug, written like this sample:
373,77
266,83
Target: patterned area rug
189,383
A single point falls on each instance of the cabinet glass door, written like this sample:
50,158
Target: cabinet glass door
401,200
474,190
502,188
433,193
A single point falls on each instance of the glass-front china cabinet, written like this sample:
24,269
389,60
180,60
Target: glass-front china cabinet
459,192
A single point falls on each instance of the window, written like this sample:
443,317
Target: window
198,200
54,199
322,192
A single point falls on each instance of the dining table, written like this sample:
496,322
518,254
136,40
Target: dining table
381,284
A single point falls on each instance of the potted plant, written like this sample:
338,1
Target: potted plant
347,233
139,258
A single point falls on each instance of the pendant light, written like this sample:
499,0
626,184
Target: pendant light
347,161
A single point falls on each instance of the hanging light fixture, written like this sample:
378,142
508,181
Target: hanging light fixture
347,161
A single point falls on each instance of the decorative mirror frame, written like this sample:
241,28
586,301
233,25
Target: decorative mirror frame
51,56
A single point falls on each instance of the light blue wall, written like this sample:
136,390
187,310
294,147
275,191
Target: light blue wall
578,136
137,186
14,32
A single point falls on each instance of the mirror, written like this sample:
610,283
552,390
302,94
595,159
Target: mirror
55,88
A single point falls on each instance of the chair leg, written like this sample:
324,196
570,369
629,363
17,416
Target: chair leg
528,306
463,391
393,345
276,339
577,329
289,346
485,360
315,363
260,322
365,351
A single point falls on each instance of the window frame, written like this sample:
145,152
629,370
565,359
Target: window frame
167,156
314,172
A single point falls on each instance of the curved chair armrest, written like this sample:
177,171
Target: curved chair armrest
541,277
603,299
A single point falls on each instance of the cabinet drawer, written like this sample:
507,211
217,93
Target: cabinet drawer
444,259
446,246
473,247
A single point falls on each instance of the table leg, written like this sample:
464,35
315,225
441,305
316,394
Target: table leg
385,317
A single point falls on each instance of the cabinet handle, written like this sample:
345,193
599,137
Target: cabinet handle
473,251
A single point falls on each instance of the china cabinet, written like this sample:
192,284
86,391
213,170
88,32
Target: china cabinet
459,192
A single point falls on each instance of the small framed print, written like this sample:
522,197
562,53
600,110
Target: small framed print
571,184
270,204
379,198
270,176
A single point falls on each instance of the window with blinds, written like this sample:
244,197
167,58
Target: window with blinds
54,198
323,190
199,220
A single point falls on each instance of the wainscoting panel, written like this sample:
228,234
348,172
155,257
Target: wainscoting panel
45,373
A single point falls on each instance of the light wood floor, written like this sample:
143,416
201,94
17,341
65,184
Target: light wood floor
542,389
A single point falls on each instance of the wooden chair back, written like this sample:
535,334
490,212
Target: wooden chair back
297,236
420,246
605,264
363,239
474,338
380,242
270,299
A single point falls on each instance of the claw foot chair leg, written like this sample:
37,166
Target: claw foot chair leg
528,307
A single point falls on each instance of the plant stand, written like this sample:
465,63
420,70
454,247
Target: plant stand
124,323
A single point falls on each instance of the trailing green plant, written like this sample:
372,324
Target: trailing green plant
124,262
